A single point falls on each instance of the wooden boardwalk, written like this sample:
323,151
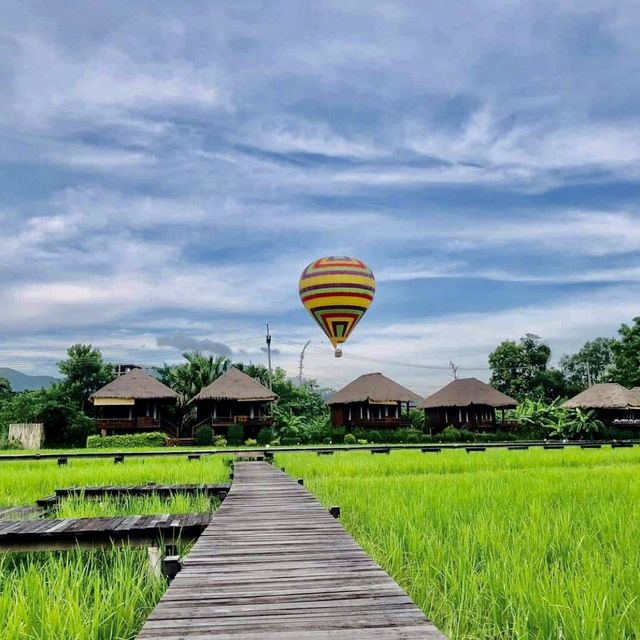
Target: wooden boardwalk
274,564
52,534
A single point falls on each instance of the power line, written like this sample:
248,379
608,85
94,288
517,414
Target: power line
399,363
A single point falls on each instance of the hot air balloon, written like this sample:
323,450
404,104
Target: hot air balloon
337,291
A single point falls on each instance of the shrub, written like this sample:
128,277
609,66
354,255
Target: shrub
451,434
326,440
127,441
375,436
10,443
350,439
204,436
265,435
408,436
219,441
235,435
250,442
361,441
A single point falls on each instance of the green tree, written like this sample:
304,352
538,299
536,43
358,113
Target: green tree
5,387
626,355
520,369
591,364
84,372
516,366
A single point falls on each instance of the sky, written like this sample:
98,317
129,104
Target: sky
168,169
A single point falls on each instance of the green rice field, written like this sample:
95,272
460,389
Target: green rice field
508,545
25,482
86,595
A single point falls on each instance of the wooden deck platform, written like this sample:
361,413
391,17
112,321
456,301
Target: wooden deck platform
274,564
56,534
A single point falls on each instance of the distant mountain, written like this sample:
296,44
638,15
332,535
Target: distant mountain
21,381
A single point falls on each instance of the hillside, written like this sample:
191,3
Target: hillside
20,381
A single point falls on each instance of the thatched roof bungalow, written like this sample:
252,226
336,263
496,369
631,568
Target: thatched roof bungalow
373,401
234,398
465,403
614,404
133,402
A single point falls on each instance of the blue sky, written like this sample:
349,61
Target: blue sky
167,171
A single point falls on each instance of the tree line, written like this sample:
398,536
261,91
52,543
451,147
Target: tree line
521,369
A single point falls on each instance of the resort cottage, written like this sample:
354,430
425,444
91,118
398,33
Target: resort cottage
234,398
372,401
133,402
614,404
466,403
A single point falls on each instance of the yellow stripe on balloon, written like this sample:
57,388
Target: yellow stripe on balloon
337,280
332,301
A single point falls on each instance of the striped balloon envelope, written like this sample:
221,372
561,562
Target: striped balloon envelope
337,291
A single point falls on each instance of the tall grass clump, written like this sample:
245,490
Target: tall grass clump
25,481
79,595
108,506
506,545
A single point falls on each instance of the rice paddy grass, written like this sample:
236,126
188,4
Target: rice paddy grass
85,595
506,545
25,481
81,507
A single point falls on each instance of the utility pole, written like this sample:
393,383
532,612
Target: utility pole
454,369
301,361
269,353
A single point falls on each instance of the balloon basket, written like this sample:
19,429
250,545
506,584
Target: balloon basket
338,353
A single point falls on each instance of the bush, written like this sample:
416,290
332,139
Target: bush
204,436
10,443
127,441
235,435
409,436
350,439
375,436
219,441
361,441
250,442
265,435
451,434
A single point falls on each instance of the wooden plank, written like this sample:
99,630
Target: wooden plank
53,534
273,563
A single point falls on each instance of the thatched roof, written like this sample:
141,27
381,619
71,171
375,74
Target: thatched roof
235,385
376,388
137,385
608,395
464,392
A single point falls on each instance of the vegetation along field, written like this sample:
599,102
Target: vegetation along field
88,595
502,544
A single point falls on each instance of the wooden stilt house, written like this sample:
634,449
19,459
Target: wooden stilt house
614,404
133,402
466,403
234,398
372,401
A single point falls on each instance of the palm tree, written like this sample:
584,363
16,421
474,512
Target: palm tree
197,372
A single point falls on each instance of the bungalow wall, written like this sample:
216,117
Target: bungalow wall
367,415
471,417
618,417
140,415
219,414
